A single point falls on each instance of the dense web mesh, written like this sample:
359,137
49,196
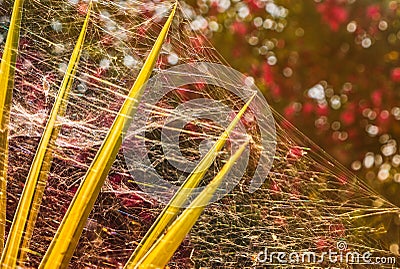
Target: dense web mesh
308,202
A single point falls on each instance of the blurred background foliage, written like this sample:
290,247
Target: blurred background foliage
331,67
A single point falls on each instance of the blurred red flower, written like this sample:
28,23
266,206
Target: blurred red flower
396,74
333,13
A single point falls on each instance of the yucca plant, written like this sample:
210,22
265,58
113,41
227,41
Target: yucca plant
94,215
28,207
7,70
67,236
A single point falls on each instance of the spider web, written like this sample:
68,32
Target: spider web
309,202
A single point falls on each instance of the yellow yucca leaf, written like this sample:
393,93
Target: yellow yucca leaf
172,208
162,251
64,243
7,69
28,207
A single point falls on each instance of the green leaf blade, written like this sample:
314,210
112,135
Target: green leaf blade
67,236
172,208
28,207
162,251
7,72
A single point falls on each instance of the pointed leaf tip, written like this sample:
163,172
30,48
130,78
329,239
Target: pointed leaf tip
25,217
67,236
172,208
162,251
